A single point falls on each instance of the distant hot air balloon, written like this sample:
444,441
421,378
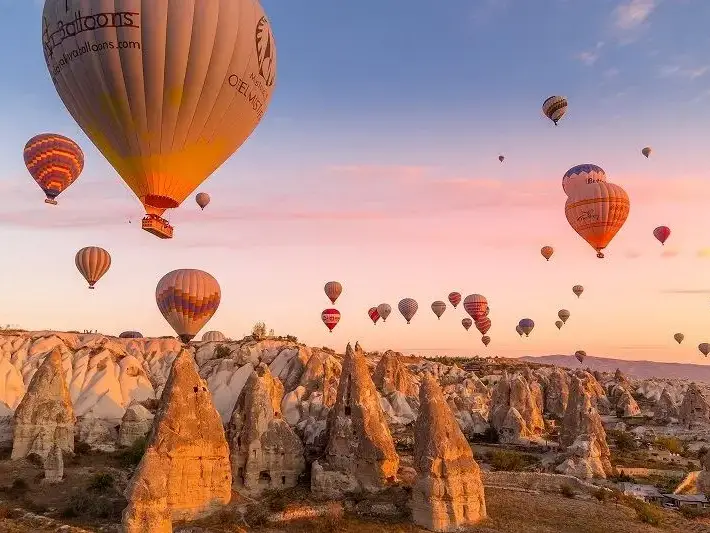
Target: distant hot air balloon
438,307
202,199
330,318
373,314
501,158
662,233
483,324
54,162
547,252
454,298
384,311
187,298
486,340
408,307
488,310
596,212
559,324
475,305
679,337
519,330
580,355
578,290
647,151
526,325
93,262
332,290
184,87
582,175
131,335
563,314
555,108
213,336
704,348
467,323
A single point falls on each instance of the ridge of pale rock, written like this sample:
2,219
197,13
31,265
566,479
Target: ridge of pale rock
665,408
557,392
514,392
695,408
391,375
135,424
584,459
185,473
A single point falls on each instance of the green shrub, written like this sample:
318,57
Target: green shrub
131,456
601,494
98,506
81,448
567,491
691,513
647,513
624,441
101,482
221,351
258,331
510,461
19,487
671,444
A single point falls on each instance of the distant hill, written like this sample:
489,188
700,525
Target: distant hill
637,369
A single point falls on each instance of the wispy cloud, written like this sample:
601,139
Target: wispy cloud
678,71
667,254
633,13
589,57
685,291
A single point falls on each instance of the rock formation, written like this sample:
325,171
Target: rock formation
665,408
392,376
703,481
185,472
626,405
557,392
54,465
595,391
360,453
448,491
265,452
584,459
45,415
135,424
695,408
515,393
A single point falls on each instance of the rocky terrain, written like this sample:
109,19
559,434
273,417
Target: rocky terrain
163,434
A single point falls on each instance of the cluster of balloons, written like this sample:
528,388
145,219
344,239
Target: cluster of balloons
331,317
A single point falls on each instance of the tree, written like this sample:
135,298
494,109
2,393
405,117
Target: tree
258,331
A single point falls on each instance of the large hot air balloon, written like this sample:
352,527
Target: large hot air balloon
646,151
519,330
679,337
582,175
373,314
466,323
167,90
131,335
555,108
486,340
559,324
475,305
408,307
526,325
501,158
213,336
454,298
483,324
704,348
54,162
202,199
332,290
580,355
93,262
662,233
596,212
563,314
384,310
578,290
330,318
547,252
187,299
438,307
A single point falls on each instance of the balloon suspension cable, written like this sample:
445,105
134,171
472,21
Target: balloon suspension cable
600,255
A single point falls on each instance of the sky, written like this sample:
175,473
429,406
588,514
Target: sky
376,165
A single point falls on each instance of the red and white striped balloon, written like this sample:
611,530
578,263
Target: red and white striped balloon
408,307
330,318
476,306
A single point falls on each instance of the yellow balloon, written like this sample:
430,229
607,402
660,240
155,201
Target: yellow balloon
167,90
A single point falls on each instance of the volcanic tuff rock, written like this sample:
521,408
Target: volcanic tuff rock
391,375
45,415
557,392
703,481
626,405
515,393
360,453
448,491
695,407
596,393
265,452
665,409
54,465
584,459
185,472
135,424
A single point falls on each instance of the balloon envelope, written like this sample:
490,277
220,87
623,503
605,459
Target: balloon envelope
93,262
131,335
330,318
578,290
202,199
408,307
54,162
580,355
559,324
704,348
580,175
384,310
373,314
555,108
475,305
438,307
483,324
547,252
213,336
679,337
646,151
501,158
526,326
466,323
519,330
563,314
332,290
486,340
662,233
454,298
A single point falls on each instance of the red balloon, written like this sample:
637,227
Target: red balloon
454,298
330,318
662,233
483,325
373,314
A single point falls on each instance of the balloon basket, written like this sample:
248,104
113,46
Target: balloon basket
50,201
157,226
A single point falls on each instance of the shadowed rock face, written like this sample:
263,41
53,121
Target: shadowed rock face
512,399
392,376
185,472
45,415
695,408
448,491
665,408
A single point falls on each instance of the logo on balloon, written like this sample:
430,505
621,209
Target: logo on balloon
588,215
265,51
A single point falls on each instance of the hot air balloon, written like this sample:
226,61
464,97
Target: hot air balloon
466,323
526,325
488,310
559,324
596,212
213,336
202,199
646,151
483,324
330,318
332,290
547,252
454,298
438,307
373,314
384,310
704,348
563,314
54,162
580,355
501,158
662,233
555,108
679,337
582,175
183,89
187,298
486,340
408,307
131,335
93,262
475,305
519,330
578,290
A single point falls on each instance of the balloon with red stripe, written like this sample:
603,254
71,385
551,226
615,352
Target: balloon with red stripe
330,318
454,298
483,325
54,162
475,305
486,340
373,314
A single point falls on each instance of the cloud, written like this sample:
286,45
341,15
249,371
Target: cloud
667,254
677,71
589,57
632,14
685,291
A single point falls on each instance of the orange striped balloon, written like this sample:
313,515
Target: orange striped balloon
54,162
93,262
